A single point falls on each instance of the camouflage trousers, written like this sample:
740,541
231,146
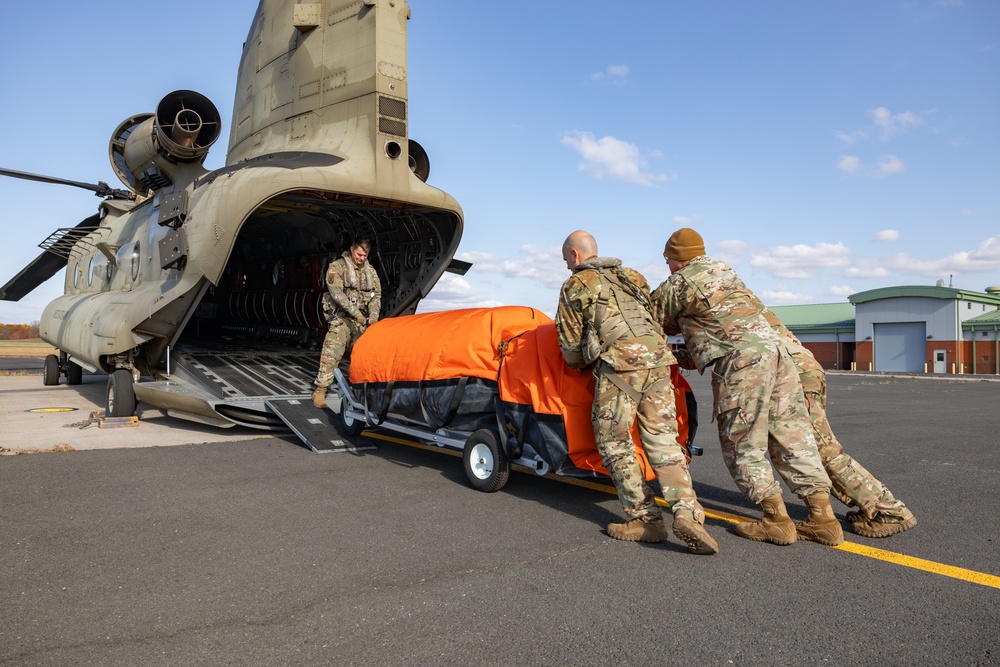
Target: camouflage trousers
852,484
762,415
613,415
341,335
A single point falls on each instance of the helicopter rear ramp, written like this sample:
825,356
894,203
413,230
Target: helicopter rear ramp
314,427
224,385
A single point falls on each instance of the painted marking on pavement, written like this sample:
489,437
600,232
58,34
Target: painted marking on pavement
980,578
51,409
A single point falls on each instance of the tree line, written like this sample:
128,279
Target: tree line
18,331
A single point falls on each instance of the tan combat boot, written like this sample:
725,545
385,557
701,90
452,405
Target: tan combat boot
319,397
638,530
821,526
776,527
882,524
694,535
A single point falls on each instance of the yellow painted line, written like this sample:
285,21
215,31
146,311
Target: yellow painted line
980,578
920,564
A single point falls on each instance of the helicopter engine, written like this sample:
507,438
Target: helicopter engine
158,147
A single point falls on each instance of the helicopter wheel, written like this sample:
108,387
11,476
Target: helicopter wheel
121,394
51,370
74,373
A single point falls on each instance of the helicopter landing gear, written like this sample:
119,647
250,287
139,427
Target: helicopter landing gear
51,370
121,394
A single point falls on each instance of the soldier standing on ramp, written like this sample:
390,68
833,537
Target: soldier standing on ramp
351,304
604,320
758,399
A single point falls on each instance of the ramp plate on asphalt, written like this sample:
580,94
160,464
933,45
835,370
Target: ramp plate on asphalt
314,427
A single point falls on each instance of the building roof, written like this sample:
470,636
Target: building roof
817,317
987,321
926,291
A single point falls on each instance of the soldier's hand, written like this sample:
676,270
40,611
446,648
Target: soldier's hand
359,319
372,320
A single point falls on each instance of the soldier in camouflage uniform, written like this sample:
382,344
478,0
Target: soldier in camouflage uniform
758,399
879,514
351,304
604,321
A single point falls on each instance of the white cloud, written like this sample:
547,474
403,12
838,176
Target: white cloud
453,292
800,261
866,270
851,137
611,157
890,124
886,165
613,73
784,297
850,164
731,251
686,220
887,235
542,265
984,258
841,290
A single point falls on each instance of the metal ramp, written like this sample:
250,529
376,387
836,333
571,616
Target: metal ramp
313,427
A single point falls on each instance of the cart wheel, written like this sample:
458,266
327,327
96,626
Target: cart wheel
51,368
349,425
121,394
74,373
486,463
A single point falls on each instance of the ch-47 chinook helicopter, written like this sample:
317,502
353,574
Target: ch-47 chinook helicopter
207,285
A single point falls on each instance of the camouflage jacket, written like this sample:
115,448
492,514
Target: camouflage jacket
804,360
353,291
578,309
716,313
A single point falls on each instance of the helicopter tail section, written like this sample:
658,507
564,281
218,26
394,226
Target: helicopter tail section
331,76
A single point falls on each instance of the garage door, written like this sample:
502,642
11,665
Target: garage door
901,346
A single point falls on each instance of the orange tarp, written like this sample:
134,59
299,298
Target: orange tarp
439,346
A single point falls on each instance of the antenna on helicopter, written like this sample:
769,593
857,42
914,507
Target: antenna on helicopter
101,189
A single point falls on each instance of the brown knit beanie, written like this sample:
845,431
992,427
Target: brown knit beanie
684,244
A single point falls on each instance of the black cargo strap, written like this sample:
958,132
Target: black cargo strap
502,422
605,369
383,409
456,400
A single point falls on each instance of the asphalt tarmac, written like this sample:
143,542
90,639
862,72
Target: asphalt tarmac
259,552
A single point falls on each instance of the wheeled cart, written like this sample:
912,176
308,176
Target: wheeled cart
490,382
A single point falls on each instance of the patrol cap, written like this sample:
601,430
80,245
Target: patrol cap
684,244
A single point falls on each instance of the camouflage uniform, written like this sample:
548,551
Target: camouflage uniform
758,400
351,303
852,483
642,360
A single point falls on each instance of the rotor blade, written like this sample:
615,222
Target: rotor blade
101,189
41,269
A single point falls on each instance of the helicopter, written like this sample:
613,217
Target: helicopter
200,291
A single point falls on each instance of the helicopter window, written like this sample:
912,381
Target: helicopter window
134,261
100,269
76,275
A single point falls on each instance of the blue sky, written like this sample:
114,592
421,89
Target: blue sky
822,148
